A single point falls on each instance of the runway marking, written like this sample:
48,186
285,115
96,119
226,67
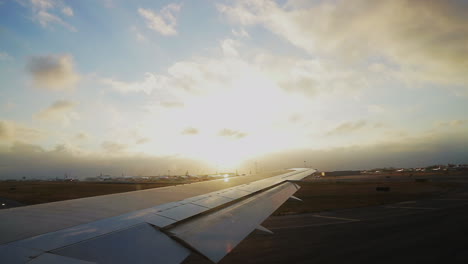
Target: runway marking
339,218
409,207
343,221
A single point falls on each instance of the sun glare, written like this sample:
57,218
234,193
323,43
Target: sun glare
230,125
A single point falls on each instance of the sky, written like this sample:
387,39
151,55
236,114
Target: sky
143,87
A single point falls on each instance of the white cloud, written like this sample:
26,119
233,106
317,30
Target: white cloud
427,40
172,104
12,131
197,76
311,76
142,140
165,21
67,11
453,123
60,110
189,131
147,86
43,4
241,33
53,72
82,136
6,130
376,109
348,127
113,147
45,13
231,133
229,47
140,37
45,19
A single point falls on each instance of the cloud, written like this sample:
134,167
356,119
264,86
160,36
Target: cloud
310,76
229,47
427,40
263,89
140,37
45,12
240,33
190,131
347,127
172,104
61,110
196,76
7,130
231,133
11,131
113,147
147,86
417,151
203,75
453,123
376,109
53,72
142,140
82,136
67,11
458,122
165,21
21,147
33,161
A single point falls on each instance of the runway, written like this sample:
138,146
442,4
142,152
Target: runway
426,231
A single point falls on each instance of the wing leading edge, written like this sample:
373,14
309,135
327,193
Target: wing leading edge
211,224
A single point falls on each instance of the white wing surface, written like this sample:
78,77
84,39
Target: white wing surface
163,225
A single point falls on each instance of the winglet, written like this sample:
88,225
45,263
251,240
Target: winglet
295,198
264,229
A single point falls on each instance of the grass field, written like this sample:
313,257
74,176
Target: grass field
44,192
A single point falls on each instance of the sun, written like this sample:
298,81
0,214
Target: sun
220,153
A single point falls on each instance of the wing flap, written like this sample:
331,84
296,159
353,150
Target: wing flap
215,234
138,244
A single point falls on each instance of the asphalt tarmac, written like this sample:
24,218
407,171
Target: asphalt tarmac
7,203
426,231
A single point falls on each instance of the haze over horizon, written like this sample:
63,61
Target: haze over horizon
142,87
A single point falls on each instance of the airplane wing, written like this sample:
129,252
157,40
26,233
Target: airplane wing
162,225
